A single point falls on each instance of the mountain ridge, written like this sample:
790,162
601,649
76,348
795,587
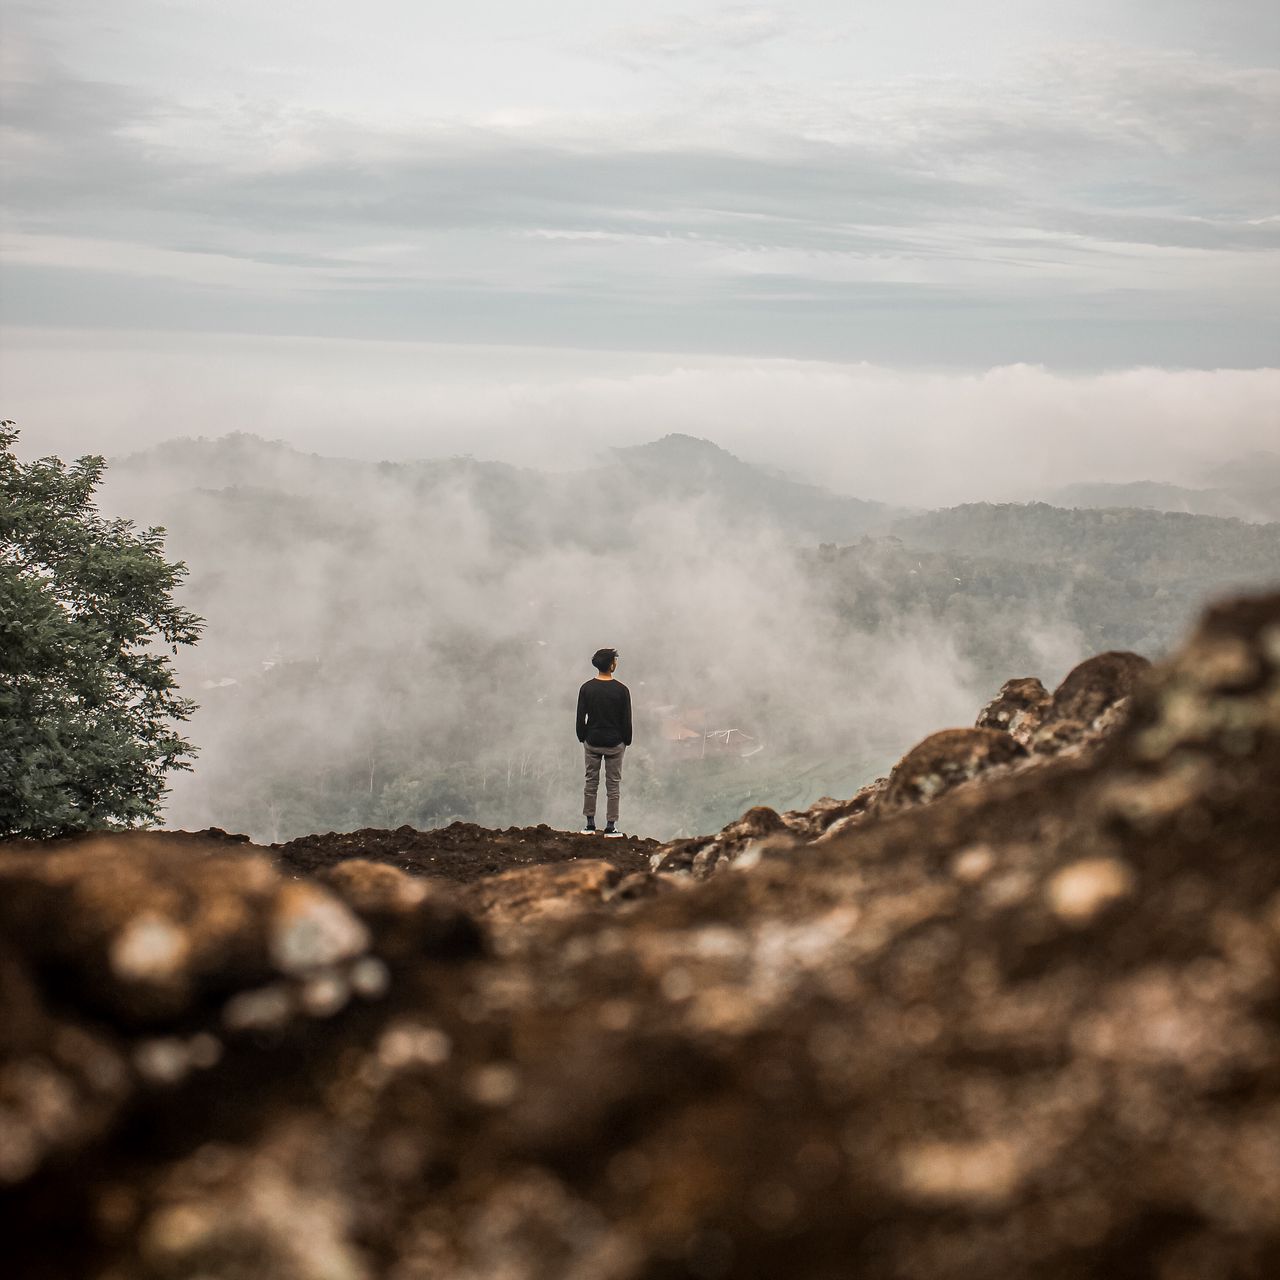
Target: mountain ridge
674,468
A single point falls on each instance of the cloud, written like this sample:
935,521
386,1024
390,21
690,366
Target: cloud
683,35
1093,206
914,437
418,625
63,137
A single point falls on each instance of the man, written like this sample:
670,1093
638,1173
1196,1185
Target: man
604,729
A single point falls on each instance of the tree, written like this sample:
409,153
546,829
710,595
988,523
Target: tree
88,699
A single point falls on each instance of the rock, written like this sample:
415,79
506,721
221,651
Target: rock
127,960
411,916
702,855
140,932
1060,737
828,814
1019,709
532,894
311,930
1097,684
638,886
1081,889
945,760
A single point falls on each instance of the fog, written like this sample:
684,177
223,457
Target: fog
405,645
913,437
392,643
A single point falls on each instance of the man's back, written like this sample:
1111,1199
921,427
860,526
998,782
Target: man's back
604,713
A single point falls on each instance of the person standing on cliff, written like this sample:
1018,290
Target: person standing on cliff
604,729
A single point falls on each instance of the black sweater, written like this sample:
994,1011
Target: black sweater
604,713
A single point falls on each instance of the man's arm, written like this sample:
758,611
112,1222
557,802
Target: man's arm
582,715
626,723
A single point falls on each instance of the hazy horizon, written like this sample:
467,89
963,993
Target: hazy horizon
909,437
521,228
389,644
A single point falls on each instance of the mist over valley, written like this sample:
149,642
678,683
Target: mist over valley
401,643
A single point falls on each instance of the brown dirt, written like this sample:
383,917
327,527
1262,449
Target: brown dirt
463,853
1026,1028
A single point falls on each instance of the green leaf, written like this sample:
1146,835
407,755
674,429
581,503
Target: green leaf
88,700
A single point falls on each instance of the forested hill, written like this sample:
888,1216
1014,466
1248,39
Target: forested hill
595,504
1253,479
1009,584
1247,488
685,468
1155,496
1155,544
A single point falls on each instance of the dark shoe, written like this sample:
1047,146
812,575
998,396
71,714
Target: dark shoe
589,829
612,831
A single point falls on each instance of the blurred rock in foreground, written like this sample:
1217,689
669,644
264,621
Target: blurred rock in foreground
1011,1012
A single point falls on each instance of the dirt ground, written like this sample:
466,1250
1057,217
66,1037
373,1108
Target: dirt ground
1006,1013
463,853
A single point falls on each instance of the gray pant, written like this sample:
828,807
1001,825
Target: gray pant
612,757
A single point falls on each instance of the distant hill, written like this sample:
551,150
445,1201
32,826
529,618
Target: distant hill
686,468
1246,488
1253,480
234,460
1151,495
524,508
1155,543
997,574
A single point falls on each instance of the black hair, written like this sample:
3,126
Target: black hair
602,659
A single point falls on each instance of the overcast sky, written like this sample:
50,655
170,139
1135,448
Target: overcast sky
1084,184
